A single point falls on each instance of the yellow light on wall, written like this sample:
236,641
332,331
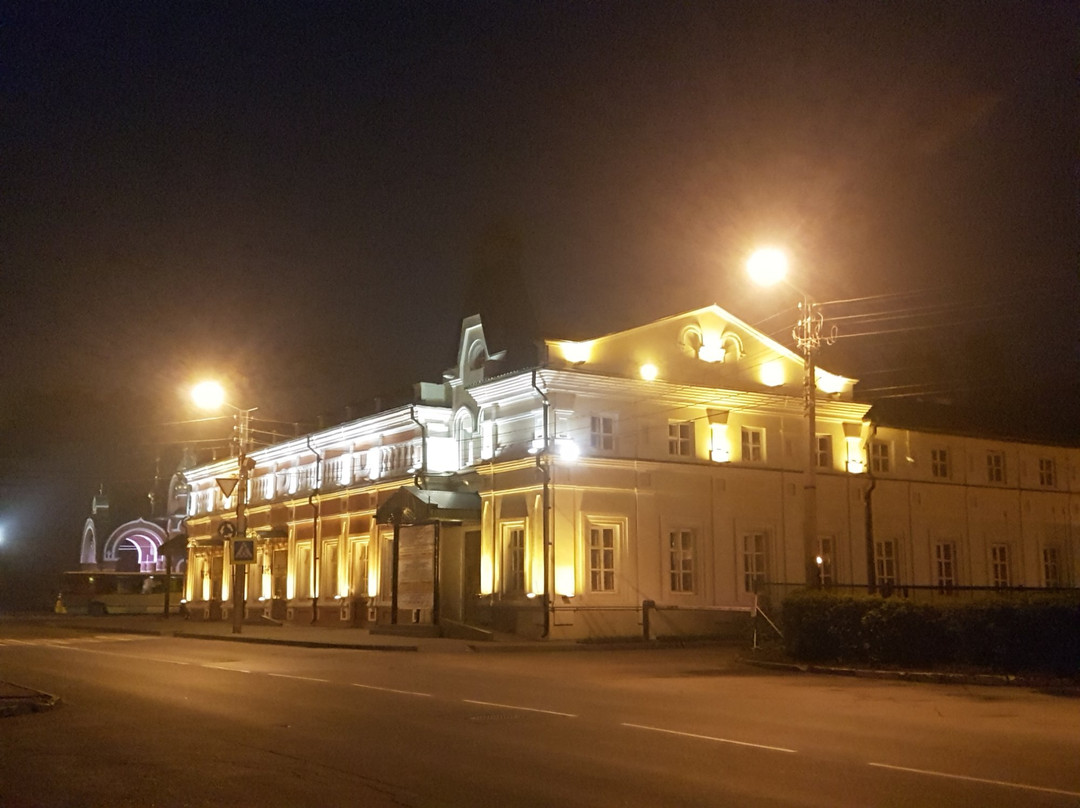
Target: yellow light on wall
712,347
576,352
564,581
720,446
855,462
829,383
772,373
372,582
649,372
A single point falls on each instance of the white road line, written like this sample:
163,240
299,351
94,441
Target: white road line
224,668
1004,783
301,678
711,738
392,690
515,707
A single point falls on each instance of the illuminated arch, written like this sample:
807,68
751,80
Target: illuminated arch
145,536
88,553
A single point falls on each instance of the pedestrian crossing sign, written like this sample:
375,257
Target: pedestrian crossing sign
243,551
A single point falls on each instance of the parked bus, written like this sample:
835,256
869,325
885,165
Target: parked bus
99,593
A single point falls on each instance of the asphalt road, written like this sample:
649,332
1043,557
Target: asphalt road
153,721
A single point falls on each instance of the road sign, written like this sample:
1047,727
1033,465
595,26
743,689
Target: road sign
243,551
227,485
226,530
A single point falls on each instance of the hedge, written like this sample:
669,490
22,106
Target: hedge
1027,633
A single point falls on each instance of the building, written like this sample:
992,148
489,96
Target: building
653,474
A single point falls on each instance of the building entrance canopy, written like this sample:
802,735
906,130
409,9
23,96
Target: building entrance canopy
411,505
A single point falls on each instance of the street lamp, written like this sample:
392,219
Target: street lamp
767,267
210,395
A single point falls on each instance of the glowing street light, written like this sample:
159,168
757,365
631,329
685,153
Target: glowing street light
766,267
210,395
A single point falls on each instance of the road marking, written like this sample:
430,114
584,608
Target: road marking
393,690
224,668
1005,783
301,678
515,707
712,738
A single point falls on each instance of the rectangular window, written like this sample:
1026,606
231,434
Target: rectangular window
754,561
602,544
602,433
1047,472
1051,574
885,562
753,445
999,565
302,584
995,467
514,560
359,582
681,560
824,458
879,457
945,561
680,438
939,463
825,564
328,585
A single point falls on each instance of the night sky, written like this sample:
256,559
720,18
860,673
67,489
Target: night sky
304,199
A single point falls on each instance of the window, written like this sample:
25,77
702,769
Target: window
328,586
302,583
1047,472
885,562
999,565
680,438
939,463
824,459
995,467
825,566
945,561
602,433
514,560
681,560
359,569
879,457
602,542
753,445
754,561
1051,574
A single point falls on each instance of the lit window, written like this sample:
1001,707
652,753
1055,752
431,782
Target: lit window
999,565
753,445
995,467
359,582
824,458
885,562
514,560
1051,567
754,562
602,544
879,457
945,560
681,560
1047,472
328,585
939,463
602,433
681,438
825,565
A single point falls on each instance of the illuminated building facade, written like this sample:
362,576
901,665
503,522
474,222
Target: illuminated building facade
660,465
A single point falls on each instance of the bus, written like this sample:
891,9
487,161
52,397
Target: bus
96,593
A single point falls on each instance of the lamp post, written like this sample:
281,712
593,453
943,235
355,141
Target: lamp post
768,266
210,395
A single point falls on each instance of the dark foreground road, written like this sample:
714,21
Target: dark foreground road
150,721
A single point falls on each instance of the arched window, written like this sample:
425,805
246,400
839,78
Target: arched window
463,435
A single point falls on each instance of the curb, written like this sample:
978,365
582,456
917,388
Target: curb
295,643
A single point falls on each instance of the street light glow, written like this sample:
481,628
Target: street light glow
208,395
767,266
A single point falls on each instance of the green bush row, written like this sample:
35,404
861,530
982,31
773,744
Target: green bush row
1034,633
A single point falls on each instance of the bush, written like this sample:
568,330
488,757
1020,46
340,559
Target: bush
1033,633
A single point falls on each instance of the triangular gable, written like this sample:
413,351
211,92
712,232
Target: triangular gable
709,347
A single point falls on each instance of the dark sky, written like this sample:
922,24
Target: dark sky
303,198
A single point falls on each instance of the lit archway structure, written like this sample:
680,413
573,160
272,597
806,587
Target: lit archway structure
146,537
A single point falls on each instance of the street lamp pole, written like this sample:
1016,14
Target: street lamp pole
807,334
240,570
